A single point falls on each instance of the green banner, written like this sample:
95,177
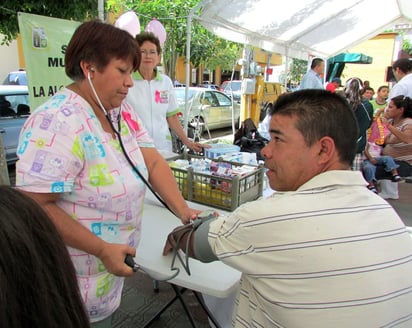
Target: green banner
44,41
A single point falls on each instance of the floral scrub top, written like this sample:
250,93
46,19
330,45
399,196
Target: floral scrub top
153,102
63,149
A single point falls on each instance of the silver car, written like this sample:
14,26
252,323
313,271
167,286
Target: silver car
232,88
208,108
16,78
14,110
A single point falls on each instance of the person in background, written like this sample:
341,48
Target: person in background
402,71
398,120
374,158
38,281
313,78
368,93
318,252
364,115
398,143
334,84
380,101
153,99
373,153
86,158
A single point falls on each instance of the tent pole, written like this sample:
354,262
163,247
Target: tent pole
100,9
287,69
187,82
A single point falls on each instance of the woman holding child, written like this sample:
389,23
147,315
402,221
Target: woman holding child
398,143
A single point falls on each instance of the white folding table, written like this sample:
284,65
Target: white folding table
215,279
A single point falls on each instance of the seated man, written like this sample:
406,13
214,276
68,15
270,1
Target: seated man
322,251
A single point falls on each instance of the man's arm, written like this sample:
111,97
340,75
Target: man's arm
195,236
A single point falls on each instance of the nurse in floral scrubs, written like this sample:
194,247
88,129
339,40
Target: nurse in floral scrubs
72,163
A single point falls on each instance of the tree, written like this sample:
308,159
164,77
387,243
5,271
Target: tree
297,69
78,10
206,48
407,46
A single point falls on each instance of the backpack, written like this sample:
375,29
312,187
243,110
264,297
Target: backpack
249,139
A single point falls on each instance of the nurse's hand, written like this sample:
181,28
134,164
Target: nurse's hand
113,255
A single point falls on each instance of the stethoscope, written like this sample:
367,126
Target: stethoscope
129,260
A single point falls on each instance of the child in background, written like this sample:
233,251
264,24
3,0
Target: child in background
380,101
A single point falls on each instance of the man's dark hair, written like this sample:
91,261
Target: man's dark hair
404,64
321,113
316,62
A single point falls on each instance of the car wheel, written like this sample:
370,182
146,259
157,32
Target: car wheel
198,125
190,132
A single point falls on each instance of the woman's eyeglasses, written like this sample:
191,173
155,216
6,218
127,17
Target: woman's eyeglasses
148,52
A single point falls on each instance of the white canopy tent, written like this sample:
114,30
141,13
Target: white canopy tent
302,28
298,28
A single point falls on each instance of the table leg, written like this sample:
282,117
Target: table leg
206,309
178,295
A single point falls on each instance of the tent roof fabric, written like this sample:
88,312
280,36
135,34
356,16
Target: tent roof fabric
355,58
302,28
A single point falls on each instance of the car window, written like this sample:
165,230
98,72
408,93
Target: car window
223,99
180,95
16,78
233,85
210,99
11,105
16,100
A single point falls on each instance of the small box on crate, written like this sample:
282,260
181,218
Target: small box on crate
218,150
241,157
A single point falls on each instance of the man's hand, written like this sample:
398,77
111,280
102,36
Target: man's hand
178,237
173,237
181,234
169,245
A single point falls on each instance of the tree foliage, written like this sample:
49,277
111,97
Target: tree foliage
407,46
78,10
205,48
297,69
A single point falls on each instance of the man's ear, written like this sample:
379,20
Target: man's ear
327,150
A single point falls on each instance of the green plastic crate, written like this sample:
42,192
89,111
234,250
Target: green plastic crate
216,191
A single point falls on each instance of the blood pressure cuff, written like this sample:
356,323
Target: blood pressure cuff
201,247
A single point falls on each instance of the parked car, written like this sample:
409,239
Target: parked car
14,110
176,84
208,108
209,86
232,87
16,78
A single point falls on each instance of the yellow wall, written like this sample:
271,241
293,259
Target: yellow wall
180,73
380,48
